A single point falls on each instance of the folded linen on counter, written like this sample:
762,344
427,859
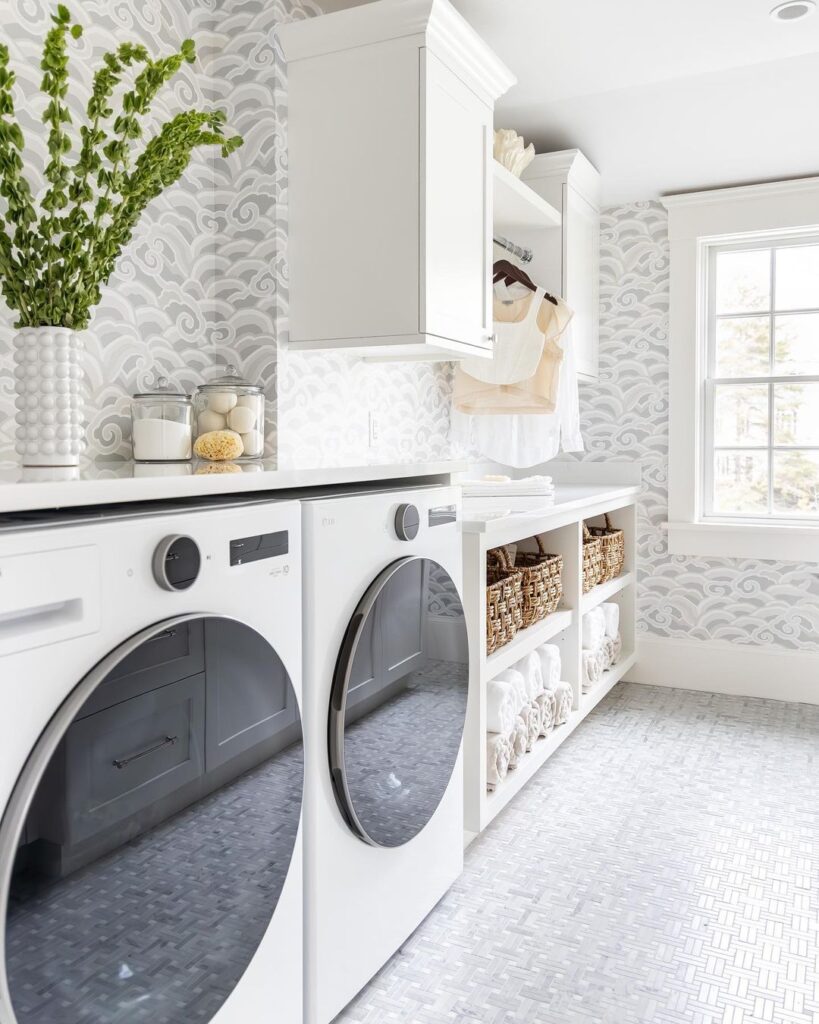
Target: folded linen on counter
507,504
498,751
501,707
530,716
514,679
611,615
563,702
592,669
518,741
549,655
546,702
593,629
495,486
529,668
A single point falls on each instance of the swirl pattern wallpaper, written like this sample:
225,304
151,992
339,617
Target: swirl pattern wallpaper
625,416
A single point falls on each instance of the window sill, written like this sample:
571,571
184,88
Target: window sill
776,542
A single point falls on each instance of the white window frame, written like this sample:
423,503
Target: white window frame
699,223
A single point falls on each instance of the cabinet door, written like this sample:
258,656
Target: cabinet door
456,211
581,273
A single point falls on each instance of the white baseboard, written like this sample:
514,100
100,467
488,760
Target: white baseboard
446,639
715,666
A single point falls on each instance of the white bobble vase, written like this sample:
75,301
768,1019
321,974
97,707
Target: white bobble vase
48,376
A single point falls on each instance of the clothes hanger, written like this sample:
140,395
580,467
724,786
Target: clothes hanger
504,270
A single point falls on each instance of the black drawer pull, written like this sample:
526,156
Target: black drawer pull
166,634
135,757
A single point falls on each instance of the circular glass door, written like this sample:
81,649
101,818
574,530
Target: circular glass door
147,842
398,702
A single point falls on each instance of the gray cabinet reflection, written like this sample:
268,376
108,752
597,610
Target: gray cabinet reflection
399,702
160,836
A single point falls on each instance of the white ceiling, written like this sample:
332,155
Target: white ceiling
662,95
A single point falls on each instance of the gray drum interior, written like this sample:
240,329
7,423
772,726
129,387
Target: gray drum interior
398,702
148,839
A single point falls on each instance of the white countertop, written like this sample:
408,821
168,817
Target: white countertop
103,483
590,499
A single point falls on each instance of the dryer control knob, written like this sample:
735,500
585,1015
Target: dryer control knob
407,521
176,562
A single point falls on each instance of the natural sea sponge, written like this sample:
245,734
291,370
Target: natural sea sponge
217,467
218,445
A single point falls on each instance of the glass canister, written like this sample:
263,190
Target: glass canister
162,424
231,409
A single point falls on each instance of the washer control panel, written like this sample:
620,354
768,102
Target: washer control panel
407,522
176,562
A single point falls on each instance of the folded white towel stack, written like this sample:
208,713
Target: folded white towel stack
495,486
529,667
501,709
514,679
549,655
611,615
593,629
498,752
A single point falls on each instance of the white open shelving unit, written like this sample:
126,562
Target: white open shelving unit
517,205
561,528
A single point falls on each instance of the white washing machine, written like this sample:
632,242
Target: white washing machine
151,765
385,693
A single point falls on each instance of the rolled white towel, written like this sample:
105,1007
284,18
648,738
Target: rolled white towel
498,750
563,702
593,629
611,618
501,709
612,648
546,703
591,670
529,668
518,740
514,679
530,716
549,655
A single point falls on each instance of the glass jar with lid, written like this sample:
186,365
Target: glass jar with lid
232,410
162,424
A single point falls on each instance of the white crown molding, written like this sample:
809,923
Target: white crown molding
567,163
722,195
436,23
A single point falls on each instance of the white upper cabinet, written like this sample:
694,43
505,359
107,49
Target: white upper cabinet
568,262
390,109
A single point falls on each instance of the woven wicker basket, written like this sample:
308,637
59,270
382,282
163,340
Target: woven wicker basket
592,559
614,549
542,582
504,599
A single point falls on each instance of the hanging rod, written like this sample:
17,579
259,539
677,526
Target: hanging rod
524,255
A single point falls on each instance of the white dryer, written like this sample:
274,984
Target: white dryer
151,765
385,694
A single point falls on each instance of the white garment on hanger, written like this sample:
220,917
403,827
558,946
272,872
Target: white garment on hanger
518,344
528,440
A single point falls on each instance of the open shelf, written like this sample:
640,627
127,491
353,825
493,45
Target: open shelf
518,206
526,641
605,591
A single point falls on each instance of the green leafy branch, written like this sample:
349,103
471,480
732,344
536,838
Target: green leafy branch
55,260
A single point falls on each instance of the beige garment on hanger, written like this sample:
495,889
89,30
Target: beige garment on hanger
515,311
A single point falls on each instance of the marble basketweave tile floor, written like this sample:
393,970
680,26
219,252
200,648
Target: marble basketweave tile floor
663,867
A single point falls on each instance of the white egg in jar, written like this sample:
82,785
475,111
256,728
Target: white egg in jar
253,442
242,419
221,401
209,420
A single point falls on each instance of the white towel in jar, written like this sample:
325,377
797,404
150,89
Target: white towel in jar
518,741
529,668
549,655
498,751
501,707
593,629
611,617
546,702
514,679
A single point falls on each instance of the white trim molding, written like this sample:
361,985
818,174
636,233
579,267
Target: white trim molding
698,221
714,666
